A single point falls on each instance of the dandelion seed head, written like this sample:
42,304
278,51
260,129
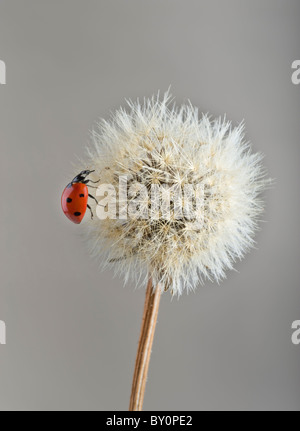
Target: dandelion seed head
156,143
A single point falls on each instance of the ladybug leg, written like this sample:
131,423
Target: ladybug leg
95,200
90,181
93,187
91,196
92,215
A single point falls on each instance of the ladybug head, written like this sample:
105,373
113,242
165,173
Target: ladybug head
82,176
86,172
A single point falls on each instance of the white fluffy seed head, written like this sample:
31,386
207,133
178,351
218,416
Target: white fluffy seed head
155,143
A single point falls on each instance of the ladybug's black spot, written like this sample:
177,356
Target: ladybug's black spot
69,200
81,195
77,214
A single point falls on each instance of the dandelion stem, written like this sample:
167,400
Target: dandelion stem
151,307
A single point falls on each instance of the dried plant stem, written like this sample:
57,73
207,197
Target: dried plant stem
151,307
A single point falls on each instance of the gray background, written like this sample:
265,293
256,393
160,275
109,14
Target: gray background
72,330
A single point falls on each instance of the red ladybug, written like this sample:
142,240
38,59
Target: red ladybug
74,199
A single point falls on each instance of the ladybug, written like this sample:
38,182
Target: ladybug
74,198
